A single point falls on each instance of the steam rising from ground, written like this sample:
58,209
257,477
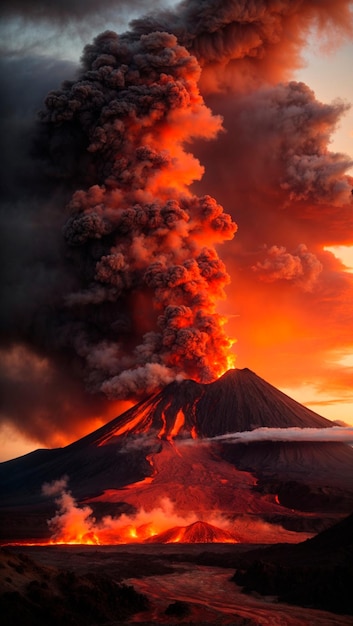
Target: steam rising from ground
75,523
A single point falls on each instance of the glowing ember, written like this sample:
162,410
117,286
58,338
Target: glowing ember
194,432
163,430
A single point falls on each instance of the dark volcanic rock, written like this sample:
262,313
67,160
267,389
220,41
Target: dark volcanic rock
241,400
316,573
34,595
282,467
178,609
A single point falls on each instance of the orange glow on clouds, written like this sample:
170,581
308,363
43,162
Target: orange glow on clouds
270,164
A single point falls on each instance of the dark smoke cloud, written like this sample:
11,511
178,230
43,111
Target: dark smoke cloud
61,27
290,190
112,274
25,83
281,160
125,279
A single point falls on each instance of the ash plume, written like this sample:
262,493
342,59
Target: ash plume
111,259
140,244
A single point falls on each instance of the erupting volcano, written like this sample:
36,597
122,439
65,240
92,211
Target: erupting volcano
232,460
129,309
127,285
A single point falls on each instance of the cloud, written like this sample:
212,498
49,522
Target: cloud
303,316
75,523
46,400
242,43
330,434
301,267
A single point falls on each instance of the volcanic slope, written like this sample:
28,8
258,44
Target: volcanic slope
157,450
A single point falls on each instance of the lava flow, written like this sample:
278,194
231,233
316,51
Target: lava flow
206,492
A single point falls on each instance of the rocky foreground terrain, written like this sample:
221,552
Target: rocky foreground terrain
210,584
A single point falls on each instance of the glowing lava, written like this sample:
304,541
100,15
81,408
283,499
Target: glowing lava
198,532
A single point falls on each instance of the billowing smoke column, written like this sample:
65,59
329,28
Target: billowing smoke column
141,245
247,42
110,263
74,523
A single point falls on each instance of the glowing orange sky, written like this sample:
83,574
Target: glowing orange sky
290,300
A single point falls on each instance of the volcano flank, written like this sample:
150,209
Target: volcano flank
170,463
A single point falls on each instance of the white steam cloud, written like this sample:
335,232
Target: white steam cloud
336,433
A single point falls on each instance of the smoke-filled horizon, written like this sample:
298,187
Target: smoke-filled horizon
118,197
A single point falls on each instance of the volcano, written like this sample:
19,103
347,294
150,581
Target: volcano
198,532
166,449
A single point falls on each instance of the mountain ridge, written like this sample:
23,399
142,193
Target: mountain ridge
212,409
164,448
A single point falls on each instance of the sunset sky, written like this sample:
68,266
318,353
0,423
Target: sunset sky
280,164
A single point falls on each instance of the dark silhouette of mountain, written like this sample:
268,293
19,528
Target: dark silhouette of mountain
316,573
155,450
238,401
